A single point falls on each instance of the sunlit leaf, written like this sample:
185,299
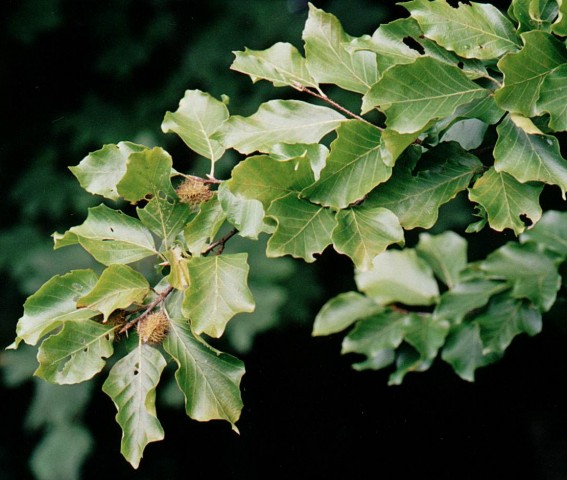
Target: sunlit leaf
99,172
218,290
131,384
342,311
204,226
414,94
525,71
147,175
559,27
328,57
353,168
199,115
247,215
362,232
77,353
399,276
303,228
281,64
279,121
315,152
265,179
119,286
208,378
475,30
506,201
110,237
55,303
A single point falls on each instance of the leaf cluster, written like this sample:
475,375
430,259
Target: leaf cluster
453,101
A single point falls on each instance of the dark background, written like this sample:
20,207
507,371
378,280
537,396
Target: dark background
77,75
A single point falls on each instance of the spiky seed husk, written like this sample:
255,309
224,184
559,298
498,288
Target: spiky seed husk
193,192
153,328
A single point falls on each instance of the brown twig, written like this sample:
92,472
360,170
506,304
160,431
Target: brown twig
330,101
220,243
148,309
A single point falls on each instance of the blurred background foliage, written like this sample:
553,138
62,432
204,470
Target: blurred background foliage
78,75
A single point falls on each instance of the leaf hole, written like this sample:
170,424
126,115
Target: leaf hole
414,45
460,65
527,221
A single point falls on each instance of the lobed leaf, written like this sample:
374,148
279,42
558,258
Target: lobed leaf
506,201
77,353
363,232
99,172
525,71
550,231
446,253
197,118
353,168
165,218
119,286
329,59
203,228
412,95
110,237
303,228
416,198
553,98
208,378
54,304
278,121
477,30
281,64
529,157
131,385
218,290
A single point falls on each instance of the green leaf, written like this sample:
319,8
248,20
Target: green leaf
218,290
247,215
362,232
506,201
525,71
354,167
119,286
279,121
383,331
504,319
342,311
399,276
466,297
178,264
559,27
131,385
204,226
199,116
553,98
415,198
328,57
77,353
265,179
412,95
477,30
533,274
165,217
208,378
446,253
147,175
110,237
303,229
387,42
544,12
99,172
464,351
316,154
54,304
281,64
550,231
